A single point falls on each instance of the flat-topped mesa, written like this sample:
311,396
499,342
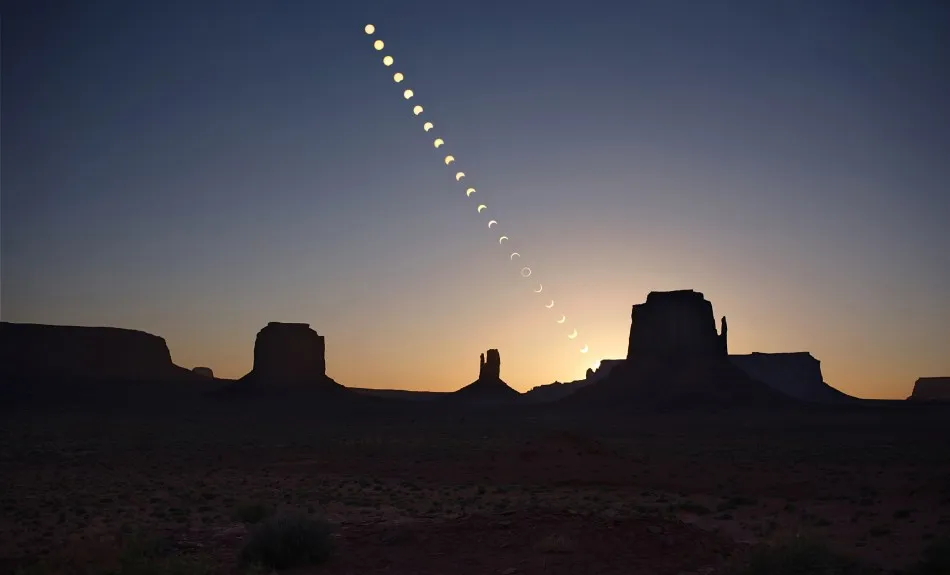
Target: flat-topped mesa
289,352
85,353
675,324
931,389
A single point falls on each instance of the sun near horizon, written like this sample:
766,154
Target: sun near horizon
242,174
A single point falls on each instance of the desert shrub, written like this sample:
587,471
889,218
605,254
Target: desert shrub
799,557
252,512
288,540
936,560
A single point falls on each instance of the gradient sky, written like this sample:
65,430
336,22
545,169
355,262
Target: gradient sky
197,169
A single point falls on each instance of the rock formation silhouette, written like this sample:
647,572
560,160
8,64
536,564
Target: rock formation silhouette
675,358
288,356
558,390
931,389
489,387
723,331
77,353
676,323
795,374
203,371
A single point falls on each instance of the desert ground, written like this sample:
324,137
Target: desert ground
426,491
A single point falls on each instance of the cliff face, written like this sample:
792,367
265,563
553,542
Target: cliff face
676,358
673,324
489,386
289,352
931,389
797,375
84,353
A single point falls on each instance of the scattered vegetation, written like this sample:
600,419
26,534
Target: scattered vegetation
287,540
799,557
252,512
936,560
555,543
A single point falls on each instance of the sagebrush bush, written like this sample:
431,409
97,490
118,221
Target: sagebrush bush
288,540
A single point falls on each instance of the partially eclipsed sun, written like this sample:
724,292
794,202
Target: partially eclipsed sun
491,223
502,239
459,176
387,60
563,319
418,110
369,29
514,255
438,142
572,335
407,94
550,305
584,349
469,192
449,160
378,44
398,77
427,126
540,288
481,207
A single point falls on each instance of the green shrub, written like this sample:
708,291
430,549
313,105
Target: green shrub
799,557
289,540
252,512
936,560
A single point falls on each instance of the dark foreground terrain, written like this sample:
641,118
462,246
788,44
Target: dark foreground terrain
178,487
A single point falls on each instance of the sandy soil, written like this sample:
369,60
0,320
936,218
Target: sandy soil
477,493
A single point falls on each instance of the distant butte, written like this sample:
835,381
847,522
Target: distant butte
489,387
931,389
88,354
676,358
288,356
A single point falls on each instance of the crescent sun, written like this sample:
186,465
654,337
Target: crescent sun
572,335
481,207
449,160
469,192
584,349
417,110
438,142
540,287
427,126
513,254
502,239
459,176
563,319
550,305
491,223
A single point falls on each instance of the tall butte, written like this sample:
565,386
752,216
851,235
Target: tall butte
288,356
489,387
676,358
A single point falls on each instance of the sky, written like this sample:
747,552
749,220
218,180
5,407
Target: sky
198,169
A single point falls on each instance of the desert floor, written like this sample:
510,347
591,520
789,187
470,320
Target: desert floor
468,493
